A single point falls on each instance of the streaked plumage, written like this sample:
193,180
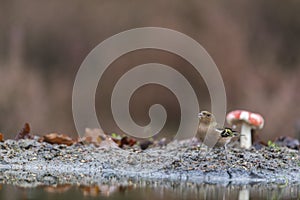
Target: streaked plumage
207,123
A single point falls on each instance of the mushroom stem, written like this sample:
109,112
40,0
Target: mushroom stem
246,136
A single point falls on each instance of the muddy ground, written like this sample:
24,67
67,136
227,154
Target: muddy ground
29,163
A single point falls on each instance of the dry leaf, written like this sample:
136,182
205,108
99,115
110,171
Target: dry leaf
94,136
107,144
124,141
98,138
25,133
145,144
1,137
56,138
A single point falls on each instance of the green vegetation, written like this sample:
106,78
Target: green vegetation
273,145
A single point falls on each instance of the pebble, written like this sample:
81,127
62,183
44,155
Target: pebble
43,163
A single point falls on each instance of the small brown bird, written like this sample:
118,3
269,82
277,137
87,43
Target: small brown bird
209,134
207,123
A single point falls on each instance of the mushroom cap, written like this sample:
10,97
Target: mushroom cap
256,121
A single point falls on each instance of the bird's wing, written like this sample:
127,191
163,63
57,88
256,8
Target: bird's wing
212,136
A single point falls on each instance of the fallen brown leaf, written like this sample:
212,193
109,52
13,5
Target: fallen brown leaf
56,138
124,141
94,136
145,144
98,138
1,137
25,133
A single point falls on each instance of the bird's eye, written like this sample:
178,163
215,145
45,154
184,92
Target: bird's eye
226,132
208,115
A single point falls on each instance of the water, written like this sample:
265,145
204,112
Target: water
152,191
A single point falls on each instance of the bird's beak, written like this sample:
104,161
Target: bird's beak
236,133
200,115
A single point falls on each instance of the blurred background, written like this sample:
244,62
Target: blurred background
255,45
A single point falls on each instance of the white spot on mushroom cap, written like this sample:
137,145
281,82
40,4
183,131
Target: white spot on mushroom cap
244,116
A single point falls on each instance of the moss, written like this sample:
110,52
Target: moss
273,145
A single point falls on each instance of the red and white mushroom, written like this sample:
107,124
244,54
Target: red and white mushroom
248,121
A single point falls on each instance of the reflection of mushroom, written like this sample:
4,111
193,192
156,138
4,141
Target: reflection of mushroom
244,194
249,121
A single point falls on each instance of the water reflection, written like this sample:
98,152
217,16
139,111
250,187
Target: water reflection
150,191
244,194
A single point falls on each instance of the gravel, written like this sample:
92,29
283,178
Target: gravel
29,163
